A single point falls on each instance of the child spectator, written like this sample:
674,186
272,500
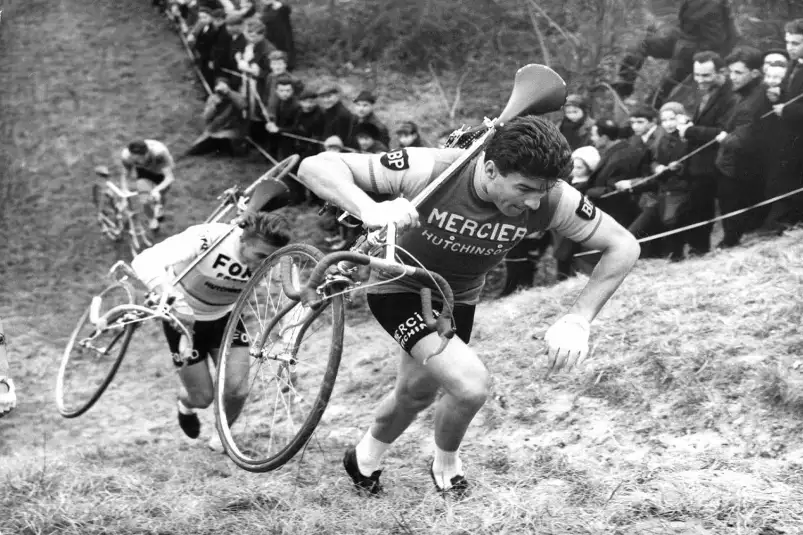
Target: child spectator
644,123
278,68
333,144
777,57
338,120
773,78
364,111
576,124
276,18
367,135
409,136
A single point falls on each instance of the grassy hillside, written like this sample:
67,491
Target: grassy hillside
686,419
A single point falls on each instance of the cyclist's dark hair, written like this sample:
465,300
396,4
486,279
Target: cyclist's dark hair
752,57
138,147
531,146
709,55
794,27
269,227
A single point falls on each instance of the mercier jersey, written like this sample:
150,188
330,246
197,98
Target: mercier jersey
461,236
211,288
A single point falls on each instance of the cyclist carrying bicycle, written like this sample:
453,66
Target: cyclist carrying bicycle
149,163
462,231
8,394
204,299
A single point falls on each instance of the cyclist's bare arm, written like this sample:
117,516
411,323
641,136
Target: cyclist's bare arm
169,179
4,367
580,221
343,179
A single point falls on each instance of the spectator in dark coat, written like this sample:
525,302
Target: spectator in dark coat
283,117
702,25
741,157
276,18
619,161
709,120
364,111
338,120
278,69
229,42
576,124
204,37
409,136
308,122
786,172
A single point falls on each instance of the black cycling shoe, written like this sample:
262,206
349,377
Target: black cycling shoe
368,485
459,484
190,424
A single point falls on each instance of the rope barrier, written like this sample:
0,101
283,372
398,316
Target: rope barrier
707,222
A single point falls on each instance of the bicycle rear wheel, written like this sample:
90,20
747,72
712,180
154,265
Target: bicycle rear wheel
139,239
292,364
92,356
106,213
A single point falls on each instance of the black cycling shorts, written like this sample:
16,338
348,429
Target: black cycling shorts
400,315
156,178
206,336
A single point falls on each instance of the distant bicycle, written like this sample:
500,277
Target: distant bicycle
118,220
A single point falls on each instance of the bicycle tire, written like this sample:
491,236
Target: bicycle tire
266,462
66,407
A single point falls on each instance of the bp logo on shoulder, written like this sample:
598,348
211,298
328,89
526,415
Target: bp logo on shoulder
586,210
396,160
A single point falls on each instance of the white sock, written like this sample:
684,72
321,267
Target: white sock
446,465
183,409
369,452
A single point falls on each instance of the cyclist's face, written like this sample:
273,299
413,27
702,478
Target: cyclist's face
254,251
515,193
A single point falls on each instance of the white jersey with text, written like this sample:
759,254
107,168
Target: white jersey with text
210,288
461,236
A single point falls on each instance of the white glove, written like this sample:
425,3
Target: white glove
8,400
567,342
399,211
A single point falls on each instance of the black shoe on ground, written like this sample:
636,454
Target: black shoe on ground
369,485
459,484
190,424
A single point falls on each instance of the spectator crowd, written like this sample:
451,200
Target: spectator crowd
725,124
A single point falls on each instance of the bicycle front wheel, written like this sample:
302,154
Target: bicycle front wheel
92,356
283,381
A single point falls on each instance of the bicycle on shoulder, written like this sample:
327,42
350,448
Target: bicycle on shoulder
293,312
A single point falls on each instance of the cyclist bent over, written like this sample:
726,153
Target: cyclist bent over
149,163
205,297
511,189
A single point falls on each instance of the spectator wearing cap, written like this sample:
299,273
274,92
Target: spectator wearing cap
409,136
716,102
741,156
367,135
203,38
576,124
276,18
338,120
364,111
333,144
786,172
619,160
775,57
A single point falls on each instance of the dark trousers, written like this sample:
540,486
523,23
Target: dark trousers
700,206
647,224
735,193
